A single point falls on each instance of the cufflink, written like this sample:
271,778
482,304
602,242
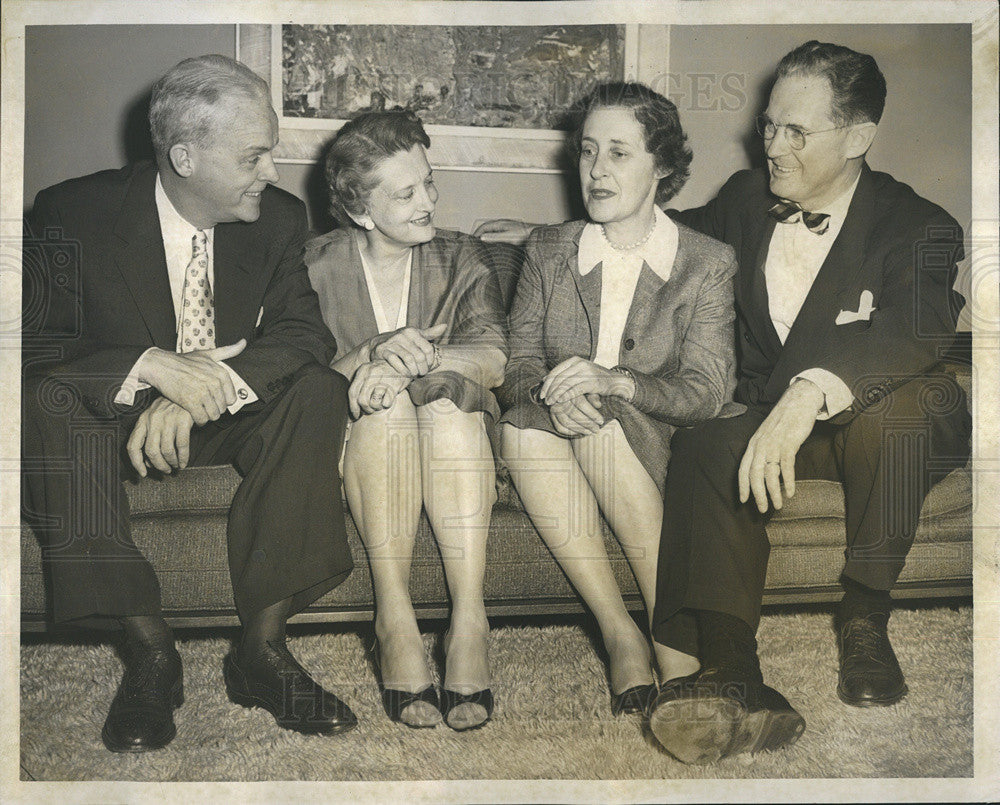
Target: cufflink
242,393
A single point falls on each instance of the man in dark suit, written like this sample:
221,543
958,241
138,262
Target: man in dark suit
169,321
844,308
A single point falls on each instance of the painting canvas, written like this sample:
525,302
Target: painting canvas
493,98
494,76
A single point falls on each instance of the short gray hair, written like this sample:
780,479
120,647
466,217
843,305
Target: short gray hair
181,106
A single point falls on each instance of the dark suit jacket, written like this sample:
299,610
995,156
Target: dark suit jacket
96,292
677,342
893,243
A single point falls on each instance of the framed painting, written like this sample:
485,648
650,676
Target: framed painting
491,97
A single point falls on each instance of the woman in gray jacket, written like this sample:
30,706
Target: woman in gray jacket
621,330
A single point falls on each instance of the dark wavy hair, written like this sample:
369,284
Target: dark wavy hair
661,126
857,83
355,153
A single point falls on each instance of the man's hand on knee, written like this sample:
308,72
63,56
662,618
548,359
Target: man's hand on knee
161,437
196,381
770,455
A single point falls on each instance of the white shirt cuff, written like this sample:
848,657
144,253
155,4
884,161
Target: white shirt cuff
244,394
835,392
132,385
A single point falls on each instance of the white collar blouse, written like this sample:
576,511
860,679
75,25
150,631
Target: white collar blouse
620,272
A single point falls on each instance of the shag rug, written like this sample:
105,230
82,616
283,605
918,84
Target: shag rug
552,718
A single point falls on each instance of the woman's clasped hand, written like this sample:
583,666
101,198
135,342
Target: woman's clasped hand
621,329
419,322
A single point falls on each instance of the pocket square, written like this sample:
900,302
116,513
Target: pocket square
863,313
260,316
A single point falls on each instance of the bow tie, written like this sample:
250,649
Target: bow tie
816,222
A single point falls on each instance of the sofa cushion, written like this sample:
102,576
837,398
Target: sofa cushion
179,523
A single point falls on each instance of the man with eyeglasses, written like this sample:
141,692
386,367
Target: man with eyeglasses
844,308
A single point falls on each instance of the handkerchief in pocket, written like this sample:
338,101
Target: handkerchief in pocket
863,313
260,315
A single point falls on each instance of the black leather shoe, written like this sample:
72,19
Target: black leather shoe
141,717
633,700
274,680
720,712
870,675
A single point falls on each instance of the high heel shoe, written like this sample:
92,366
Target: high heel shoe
451,699
395,701
634,700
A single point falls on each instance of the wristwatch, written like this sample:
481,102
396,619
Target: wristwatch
628,373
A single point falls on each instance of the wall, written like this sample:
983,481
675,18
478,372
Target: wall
86,85
86,90
924,138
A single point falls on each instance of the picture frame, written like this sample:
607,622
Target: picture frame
465,148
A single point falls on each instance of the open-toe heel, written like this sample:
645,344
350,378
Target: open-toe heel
451,699
396,701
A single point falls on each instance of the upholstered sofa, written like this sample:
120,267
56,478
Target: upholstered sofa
180,522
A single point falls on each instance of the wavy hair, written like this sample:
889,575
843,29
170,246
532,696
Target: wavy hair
361,145
661,127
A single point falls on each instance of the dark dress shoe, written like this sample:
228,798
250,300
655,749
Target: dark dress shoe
274,680
141,717
396,701
720,712
633,700
870,675
450,699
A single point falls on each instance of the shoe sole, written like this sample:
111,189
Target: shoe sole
176,700
884,701
705,730
246,699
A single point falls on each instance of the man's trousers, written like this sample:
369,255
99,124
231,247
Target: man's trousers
286,536
714,550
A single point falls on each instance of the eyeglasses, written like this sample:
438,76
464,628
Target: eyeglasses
796,137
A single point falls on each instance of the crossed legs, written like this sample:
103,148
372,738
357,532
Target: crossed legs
565,484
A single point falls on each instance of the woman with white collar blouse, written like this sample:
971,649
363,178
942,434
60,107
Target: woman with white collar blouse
621,330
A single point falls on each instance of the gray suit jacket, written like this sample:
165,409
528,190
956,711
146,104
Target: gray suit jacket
678,338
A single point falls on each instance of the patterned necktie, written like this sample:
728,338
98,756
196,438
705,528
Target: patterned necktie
816,222
197,328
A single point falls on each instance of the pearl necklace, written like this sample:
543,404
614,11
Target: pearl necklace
630,246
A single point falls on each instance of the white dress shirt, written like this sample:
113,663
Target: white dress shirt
620,272
794,258
177,235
